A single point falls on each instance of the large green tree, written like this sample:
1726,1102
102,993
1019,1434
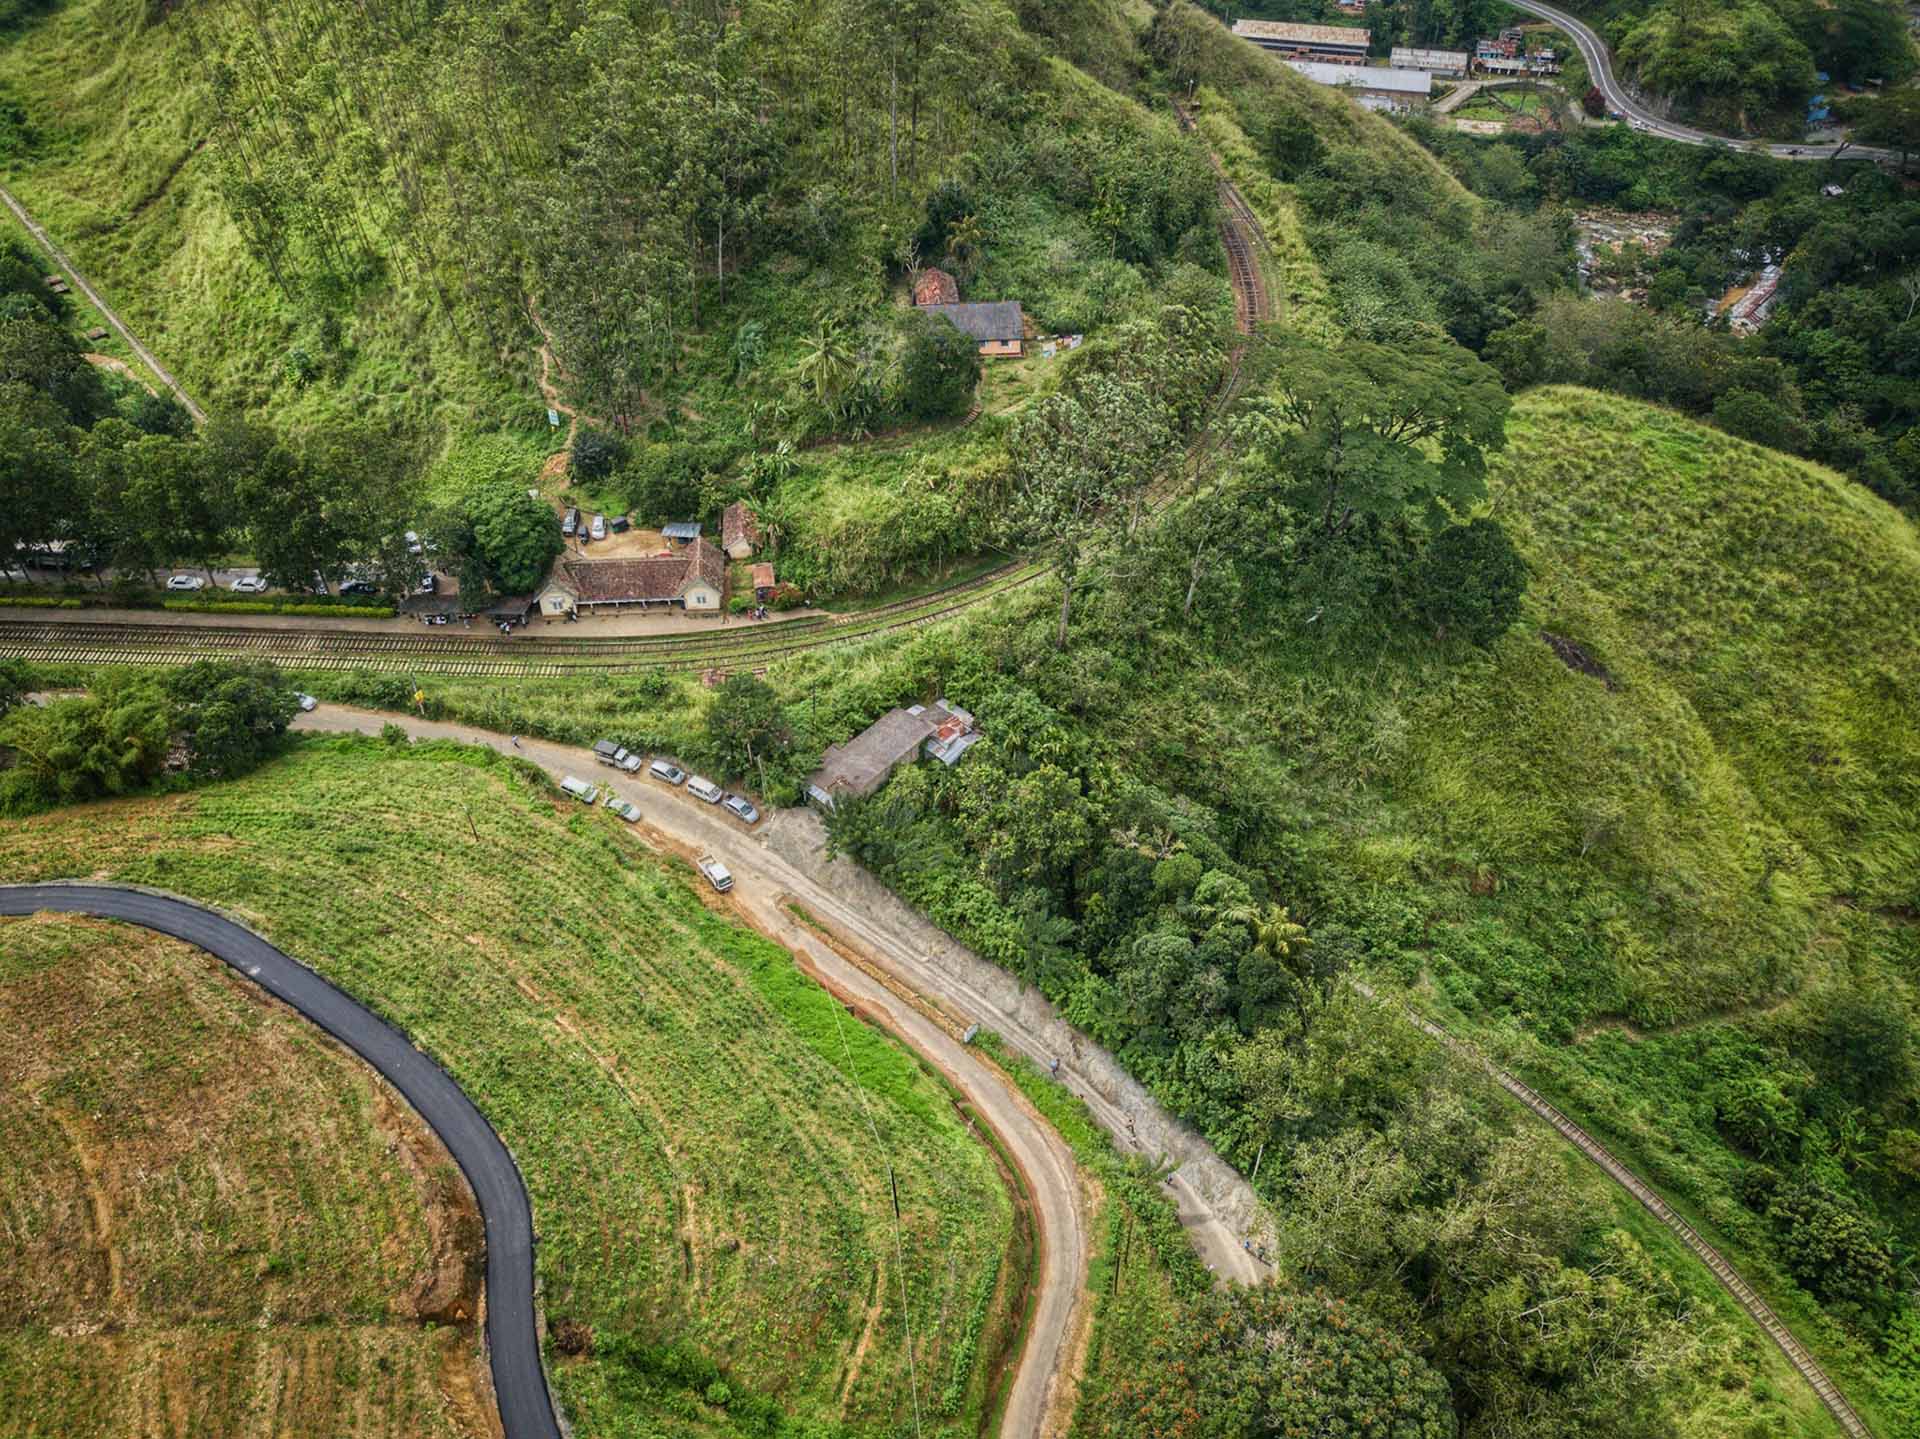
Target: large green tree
1083,461
1371,431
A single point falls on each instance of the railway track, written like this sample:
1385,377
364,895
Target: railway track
546,656
1761,1312
461,653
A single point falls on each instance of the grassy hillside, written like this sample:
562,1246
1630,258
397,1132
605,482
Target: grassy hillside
1669,875
213,1214
716,1225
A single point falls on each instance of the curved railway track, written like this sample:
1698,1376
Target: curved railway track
1762,1313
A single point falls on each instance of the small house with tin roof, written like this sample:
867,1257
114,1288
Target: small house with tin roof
857,768
997,327
694,579
739,531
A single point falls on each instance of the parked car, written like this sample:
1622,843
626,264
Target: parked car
249,585
606,751
626,809
185,582
704,789
599,527
429,582
619,524
716,873
307,702
581,790
570,525
743,807
359,587
668,771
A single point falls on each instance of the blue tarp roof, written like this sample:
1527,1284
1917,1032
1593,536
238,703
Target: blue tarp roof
681,530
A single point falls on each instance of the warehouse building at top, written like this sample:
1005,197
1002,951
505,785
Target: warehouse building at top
1332,44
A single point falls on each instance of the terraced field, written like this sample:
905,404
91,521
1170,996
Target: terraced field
193,1184
715,1217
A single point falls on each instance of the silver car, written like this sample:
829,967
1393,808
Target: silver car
249,585
743,807
185,582
599,527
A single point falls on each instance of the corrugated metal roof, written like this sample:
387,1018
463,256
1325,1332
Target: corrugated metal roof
681,530
1366,77
997,320
1300,34
1412,58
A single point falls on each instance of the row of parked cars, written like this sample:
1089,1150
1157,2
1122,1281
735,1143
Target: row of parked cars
627,762
597,528
624,760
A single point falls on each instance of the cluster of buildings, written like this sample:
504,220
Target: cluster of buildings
1336,55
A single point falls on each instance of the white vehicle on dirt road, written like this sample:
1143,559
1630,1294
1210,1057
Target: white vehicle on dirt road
717,873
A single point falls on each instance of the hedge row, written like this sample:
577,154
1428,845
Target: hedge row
267,607
31,601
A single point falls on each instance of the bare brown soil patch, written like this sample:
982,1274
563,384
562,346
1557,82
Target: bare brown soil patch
213,1220
1577,659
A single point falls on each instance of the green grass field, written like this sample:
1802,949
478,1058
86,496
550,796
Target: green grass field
715,1220
212,1214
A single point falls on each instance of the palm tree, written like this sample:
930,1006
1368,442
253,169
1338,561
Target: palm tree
828,365
964,241
1277,935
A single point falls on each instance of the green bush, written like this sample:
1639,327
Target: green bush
49,603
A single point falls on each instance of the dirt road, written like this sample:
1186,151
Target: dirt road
1040,1398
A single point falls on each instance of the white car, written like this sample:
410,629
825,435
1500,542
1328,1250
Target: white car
185,582
716,873
599,527
249,585
307,702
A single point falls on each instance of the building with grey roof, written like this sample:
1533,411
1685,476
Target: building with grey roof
997,326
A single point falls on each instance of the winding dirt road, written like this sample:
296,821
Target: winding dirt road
886,976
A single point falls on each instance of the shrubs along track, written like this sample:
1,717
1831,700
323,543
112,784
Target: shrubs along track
1797,1353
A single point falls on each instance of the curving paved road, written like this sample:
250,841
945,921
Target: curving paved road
1600,66
519,1383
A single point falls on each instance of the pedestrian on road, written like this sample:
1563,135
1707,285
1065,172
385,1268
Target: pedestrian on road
1053,1068
514,740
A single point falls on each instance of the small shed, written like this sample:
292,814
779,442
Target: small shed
997,327
936,287
739,531
685,531
764,583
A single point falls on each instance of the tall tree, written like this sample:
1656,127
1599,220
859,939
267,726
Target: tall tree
1082,460
1379,431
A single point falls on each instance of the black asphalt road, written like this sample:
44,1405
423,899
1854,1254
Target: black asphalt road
526,1409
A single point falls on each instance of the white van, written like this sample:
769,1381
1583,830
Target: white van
704,789
580,790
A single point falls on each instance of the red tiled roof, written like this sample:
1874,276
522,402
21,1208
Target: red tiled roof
657,577
763,577
936,287
736,524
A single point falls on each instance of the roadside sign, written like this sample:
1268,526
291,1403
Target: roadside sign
553,418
